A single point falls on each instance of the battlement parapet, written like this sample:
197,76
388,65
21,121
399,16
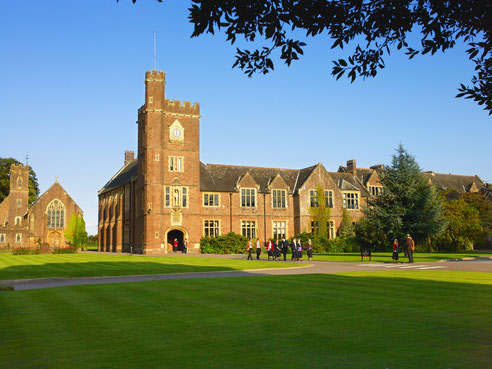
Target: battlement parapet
16,167
155,76
185,107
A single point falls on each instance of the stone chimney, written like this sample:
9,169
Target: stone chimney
378,167
351,167
129,156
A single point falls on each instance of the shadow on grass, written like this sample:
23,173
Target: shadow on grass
341,321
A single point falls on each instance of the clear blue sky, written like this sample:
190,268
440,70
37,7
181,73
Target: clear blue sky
72,79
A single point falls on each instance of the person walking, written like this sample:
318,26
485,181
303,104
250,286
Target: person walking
175,245
270,249
185,246
293,249
250,249
276,250
410,248
258,249
395,251
285,248
299,250
309,250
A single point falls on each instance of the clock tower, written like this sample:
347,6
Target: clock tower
168,179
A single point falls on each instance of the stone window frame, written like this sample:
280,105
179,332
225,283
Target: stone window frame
19,182
211,227
183,196
249,228
176,164
329,199
277,196
59,221
19,203
276,227
251,196
215,196
18,220
2,238
330,228
352,199
375,190
18,238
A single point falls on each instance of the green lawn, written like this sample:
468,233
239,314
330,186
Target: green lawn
389,319
424,257
91,265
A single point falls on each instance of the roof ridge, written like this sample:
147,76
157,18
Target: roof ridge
249,166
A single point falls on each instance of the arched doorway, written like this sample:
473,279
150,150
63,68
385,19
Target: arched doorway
175,234
54,239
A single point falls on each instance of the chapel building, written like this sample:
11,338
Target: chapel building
167,193
42,223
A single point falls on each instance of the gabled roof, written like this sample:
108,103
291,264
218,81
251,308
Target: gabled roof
347,182
56,184
122,177
458,183
224,178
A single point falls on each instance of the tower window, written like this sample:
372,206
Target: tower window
176,164
17,220
19,203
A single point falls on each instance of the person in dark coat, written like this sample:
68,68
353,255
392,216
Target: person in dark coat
309,250
293,248
285,248
276,250
299,250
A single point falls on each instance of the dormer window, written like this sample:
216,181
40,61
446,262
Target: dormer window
278,198
248,197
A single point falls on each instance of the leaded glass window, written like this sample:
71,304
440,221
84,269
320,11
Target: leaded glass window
55,213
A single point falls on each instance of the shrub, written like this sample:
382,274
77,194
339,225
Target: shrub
231,243
25,251
65,250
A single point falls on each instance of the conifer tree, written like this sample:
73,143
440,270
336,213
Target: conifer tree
408,204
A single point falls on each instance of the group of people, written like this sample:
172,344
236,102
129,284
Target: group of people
184,250
409,248
277,248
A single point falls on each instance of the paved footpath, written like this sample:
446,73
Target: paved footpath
315,267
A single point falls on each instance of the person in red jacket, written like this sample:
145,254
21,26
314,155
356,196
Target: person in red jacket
395,251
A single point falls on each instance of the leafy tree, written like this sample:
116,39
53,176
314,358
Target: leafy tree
75,232
380,25
320,213
464,226
346,229
5,164
408,204
484,208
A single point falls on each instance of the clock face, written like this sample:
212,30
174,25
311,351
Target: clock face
176,132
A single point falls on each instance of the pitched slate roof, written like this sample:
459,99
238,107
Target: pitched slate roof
224,178
363,174
458,183
122,177
347,182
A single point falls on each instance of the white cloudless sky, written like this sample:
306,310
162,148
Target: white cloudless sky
72,79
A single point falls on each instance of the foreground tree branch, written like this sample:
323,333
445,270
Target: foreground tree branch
382,24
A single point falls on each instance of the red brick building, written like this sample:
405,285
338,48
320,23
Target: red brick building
167,193
44,221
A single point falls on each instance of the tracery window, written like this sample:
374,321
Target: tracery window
55,212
